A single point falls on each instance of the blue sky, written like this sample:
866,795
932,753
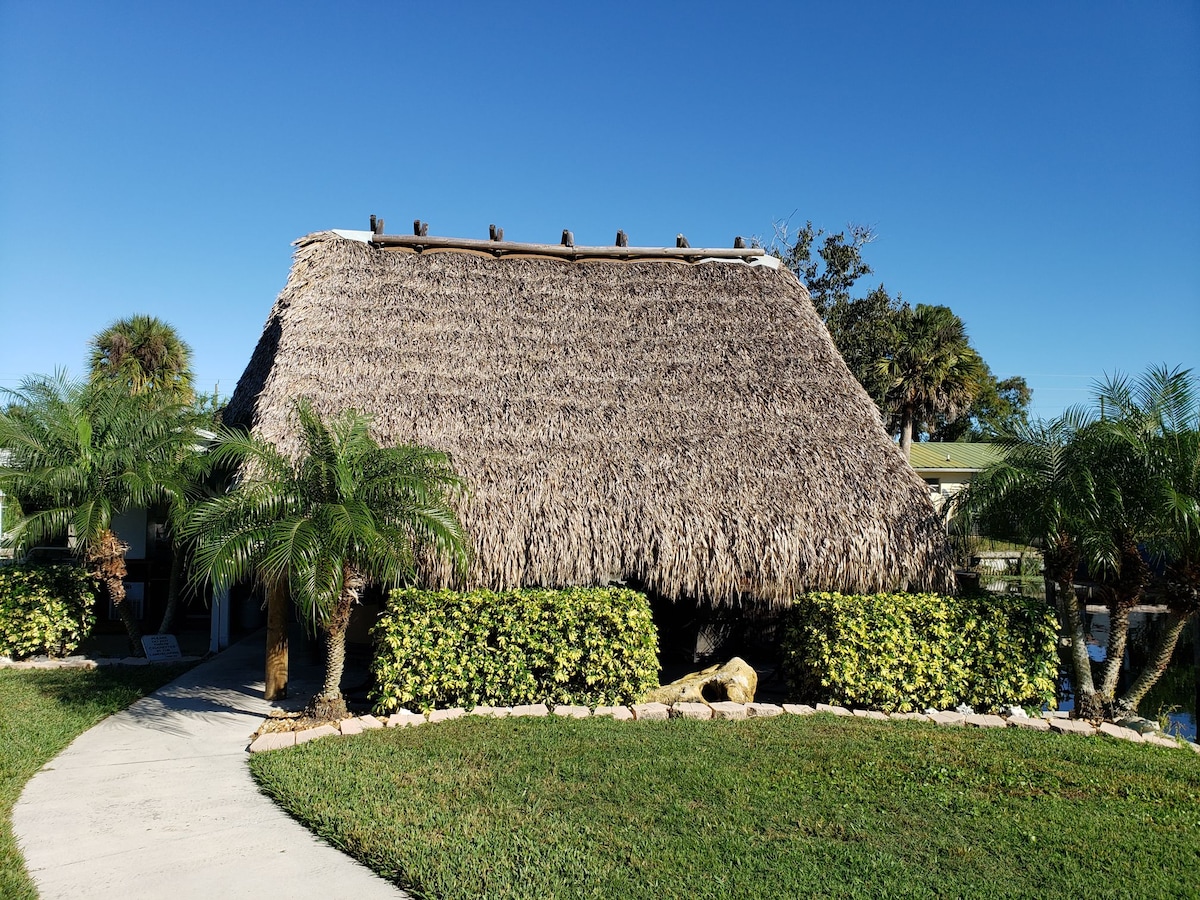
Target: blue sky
1036,167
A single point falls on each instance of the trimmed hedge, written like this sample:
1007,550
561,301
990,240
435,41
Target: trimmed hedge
44,609
906,652
581,646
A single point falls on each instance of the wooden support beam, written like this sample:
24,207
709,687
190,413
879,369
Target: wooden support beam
508,248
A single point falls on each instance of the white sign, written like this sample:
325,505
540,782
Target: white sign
161,647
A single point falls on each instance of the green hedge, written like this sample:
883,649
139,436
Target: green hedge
906,652
44,609
583,646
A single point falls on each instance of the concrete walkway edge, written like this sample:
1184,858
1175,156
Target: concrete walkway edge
157,801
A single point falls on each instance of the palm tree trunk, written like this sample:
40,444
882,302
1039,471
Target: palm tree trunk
1160,658
1087,701
906,431
329,703
106,559
1061,560
277,642
1128,593
178,563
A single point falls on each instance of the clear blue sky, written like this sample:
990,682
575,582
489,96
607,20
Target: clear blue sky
1036,167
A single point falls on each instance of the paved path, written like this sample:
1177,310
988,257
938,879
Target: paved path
157,801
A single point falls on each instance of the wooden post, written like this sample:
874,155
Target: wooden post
277,642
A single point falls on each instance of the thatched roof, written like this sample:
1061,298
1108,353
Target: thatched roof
687,426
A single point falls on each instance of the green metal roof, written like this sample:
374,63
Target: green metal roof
954,456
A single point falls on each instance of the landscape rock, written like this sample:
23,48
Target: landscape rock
492,712
947,717
1072,726
909,717
273,740
651,712
620,713
404,720
798,709
1138,724
309,734
763,710
1029,723
573,712
836,710
735,681
727,709
531,709
1161,740
445,715
350,726
870,714
979,720
692,711
1119,731
369,721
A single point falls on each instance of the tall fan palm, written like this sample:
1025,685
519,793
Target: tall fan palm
143,353
344,514
932,369
1042,491
78,456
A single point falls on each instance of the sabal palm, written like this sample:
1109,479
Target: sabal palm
78,456
143,353
931,371
1043,491
343,514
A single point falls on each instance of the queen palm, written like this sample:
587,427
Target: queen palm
143,353
1042,491
78,456
1150,435
344,514
931,371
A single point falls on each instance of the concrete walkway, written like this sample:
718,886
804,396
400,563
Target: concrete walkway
157,801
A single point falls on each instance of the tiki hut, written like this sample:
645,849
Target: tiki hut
676,418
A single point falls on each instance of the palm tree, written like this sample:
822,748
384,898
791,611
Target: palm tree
1150,431
344,514
143,353
1043,492
932,370
79,455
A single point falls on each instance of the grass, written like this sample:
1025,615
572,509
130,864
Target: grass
785,807
40,713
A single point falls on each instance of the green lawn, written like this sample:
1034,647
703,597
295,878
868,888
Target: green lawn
40,713
786,807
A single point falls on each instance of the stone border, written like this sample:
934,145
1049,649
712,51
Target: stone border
89,662
650,712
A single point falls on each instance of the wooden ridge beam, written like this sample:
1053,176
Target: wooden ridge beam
420,243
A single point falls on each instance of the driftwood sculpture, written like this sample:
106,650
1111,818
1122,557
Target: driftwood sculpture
735,681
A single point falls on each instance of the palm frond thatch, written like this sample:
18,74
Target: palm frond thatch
690,427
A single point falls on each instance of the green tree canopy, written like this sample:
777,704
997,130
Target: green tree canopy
143,353
932,370
345,513
79,455
1000,407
